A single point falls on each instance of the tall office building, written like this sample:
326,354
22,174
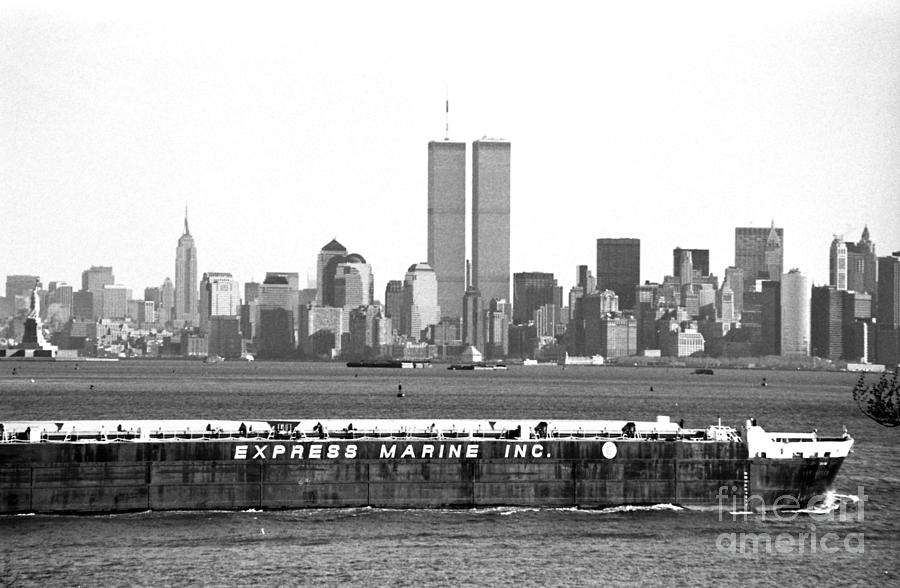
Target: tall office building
887,306
862,265
491,218
619,268
826,322
93,280
393,302
734,279
420,308
115,301
854,266
795,313
837,264
353,283
888,300
167,305
699,260
186,278
330,255
219,296
447,222
531,290
760,253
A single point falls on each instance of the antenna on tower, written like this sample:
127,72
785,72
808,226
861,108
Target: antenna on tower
447,115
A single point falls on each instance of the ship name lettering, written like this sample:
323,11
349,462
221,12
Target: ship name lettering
522,450
429,451
314,451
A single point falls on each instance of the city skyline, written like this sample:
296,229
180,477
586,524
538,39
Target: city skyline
762,121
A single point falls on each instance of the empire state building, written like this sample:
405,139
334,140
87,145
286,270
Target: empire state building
186,279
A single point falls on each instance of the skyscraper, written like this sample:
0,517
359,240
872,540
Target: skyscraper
329,257
699,261
862,265
167,304
759,252
93,280
186,278
353,283
795,313
420,308
447,222
826,322
837,264
531,290
619,268
888,309
491,218
219,296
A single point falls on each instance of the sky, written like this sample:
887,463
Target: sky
283,127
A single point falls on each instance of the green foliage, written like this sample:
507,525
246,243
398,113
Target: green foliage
879,401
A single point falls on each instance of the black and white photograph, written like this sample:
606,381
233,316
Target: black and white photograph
491,293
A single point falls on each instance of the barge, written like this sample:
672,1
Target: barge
138,465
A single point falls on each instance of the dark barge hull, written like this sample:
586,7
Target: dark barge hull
94,477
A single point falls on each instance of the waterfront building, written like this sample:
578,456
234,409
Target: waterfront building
858,329
491,218
681,343
610,336
887,306
762,317
447,222
420,307
826,322
531,290
225,337
619,268
795,313
186,313
759,252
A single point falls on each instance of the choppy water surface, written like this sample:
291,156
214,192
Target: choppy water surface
857,543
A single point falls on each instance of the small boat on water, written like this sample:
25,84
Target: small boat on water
703,372
478,366
404,364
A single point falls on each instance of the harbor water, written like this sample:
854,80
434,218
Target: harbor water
851,539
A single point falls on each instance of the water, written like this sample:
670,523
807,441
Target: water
661,545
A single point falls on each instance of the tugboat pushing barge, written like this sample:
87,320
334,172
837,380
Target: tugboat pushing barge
136,465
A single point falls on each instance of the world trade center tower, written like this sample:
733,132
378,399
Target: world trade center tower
490,218
447,222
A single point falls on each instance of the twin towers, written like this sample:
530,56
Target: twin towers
490,220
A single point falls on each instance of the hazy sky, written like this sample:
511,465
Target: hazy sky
283,126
